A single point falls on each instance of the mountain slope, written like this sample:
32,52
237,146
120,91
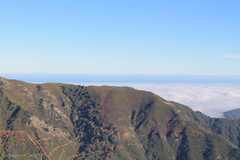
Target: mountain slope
60,121
232,114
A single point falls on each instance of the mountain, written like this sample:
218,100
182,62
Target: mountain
232,114
64,122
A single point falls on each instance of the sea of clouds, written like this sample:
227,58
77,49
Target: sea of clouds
211,99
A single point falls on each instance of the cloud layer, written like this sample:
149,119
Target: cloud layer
212,100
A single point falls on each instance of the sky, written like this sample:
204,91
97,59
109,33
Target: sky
195,37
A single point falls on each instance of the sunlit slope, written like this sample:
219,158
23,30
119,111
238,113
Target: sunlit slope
61,122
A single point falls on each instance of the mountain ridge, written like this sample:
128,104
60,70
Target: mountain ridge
232,114
64,121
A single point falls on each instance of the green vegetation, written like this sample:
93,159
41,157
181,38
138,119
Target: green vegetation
65,122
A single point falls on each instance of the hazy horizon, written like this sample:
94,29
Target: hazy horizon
124,78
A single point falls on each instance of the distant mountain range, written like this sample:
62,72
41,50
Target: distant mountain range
232,114
72,122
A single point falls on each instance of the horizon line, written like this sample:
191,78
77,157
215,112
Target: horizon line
120,74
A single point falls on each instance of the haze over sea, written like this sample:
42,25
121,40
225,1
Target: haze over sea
211,95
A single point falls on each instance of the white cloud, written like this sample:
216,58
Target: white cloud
212,100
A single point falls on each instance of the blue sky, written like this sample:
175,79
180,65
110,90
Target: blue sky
199,37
